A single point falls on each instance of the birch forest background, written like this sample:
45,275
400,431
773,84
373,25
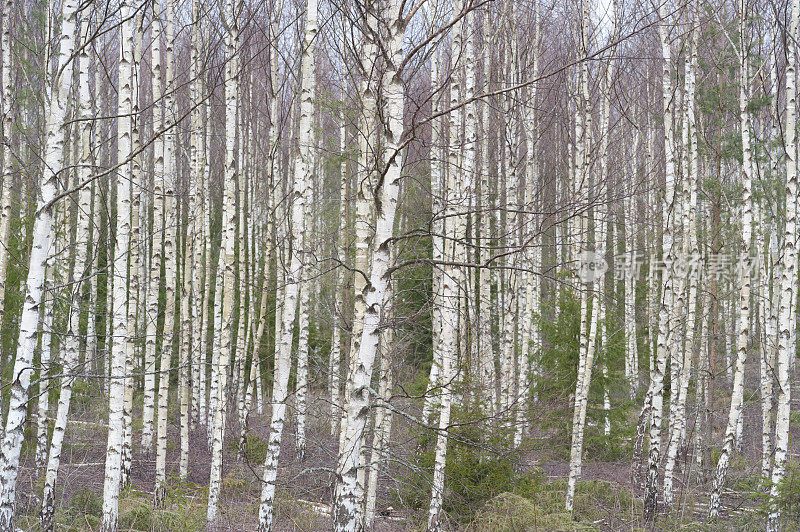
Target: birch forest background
399,265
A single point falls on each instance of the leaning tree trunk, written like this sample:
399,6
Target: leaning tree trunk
56,129
72,340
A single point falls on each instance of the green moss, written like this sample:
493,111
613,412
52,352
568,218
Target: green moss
509,512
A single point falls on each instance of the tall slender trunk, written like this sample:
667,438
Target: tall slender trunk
689,252
743,329
383,416
786,339
664,347
151,320
347,503
121,346
437,237
79,267
301,382
452,277
7,169
294,276
171,220
226,260
56,129
334,364
588,323
45,353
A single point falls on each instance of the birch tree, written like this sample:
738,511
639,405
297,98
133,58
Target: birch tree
226,260
56,128
347,494
113,469
786,338
295,273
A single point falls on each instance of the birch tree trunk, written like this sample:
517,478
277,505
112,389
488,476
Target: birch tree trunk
447,296
690,252
226,260
171,220
334,365
301,384
195,238
113,468
743,329
364,191
786,339
663,348
294,276
588,324
437,238
45,352
56,129
346,512
7,168
72,340
383,416
151,320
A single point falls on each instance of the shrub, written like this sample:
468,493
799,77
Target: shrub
86,502
255,449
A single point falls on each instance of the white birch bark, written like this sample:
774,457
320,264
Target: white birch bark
786,340
148,409
588,324
294,276
690,251
437,237
120,347
206,378
72,339
667,300
243,282
365,181
530,325
301,382
195,236
383,416
334,363
242,268
347,503
743,329
486,353
7,168
45,353
55,134
135,255
447,296
226,260
171,220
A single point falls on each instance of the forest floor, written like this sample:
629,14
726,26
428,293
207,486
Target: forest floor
606,497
